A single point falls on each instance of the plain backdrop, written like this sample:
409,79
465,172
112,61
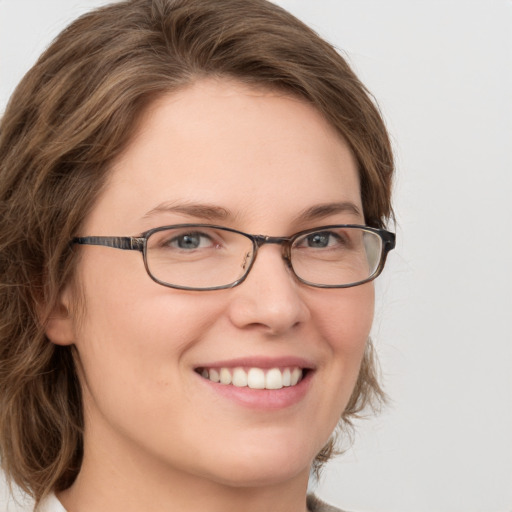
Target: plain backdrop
442,74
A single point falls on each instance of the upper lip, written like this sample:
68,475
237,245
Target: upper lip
263,362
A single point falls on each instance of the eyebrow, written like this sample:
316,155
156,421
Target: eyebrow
216,213
199,210
321,211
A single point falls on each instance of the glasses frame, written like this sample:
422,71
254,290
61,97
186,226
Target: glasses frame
139,243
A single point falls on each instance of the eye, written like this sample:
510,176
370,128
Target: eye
190,241
319,240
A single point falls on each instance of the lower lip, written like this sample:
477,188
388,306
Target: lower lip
262,399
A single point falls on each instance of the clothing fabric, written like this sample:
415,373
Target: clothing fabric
52,504
316,505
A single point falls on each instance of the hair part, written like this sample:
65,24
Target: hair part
70,117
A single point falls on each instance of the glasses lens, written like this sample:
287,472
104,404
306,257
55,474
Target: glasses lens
198,257
338,256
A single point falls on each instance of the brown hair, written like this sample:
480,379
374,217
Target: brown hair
70,116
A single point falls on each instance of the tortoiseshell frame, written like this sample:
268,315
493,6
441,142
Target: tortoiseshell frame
139,243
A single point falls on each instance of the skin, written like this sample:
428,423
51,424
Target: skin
156,437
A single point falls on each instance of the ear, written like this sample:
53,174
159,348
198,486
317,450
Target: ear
60,325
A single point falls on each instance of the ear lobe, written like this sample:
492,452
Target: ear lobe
60,325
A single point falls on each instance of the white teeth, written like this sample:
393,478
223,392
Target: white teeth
296,376
225,376
287,377
239,378
274,379
254,378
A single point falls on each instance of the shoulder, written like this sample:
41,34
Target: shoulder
316,505
50,504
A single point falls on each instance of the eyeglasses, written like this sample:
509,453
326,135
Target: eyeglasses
207,257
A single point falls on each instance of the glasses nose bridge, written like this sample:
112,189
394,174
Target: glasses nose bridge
284,241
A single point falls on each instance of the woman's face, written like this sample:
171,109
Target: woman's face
260,162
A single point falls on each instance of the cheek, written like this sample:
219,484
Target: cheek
141,333
134,332
345,328
345,318
121,301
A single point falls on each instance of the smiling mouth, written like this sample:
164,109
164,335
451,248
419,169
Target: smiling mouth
254,378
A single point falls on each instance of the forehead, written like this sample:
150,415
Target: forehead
256,153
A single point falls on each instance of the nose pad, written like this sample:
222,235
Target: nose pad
246,261
271,297
286,256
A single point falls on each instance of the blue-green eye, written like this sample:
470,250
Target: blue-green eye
319,240
186,241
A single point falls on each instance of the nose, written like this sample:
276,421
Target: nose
271,298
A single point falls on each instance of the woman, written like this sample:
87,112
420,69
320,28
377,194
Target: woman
193,195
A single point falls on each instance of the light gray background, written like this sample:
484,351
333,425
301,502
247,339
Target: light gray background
442,73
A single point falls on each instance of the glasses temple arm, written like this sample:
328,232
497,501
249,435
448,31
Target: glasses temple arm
128,243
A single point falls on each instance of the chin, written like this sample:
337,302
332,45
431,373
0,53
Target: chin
264,466
259,475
